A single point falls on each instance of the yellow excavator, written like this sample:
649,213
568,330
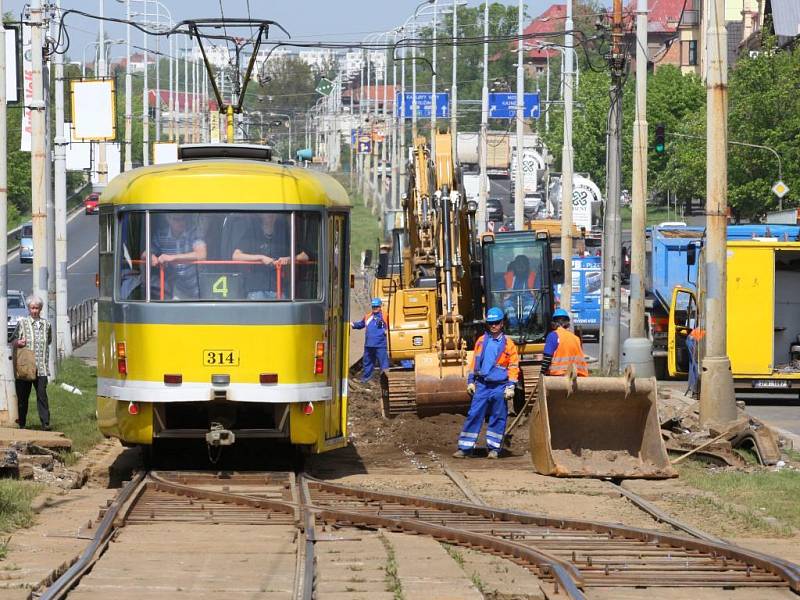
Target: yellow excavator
429,291
438,278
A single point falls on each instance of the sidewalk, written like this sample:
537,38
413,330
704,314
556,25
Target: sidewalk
88,352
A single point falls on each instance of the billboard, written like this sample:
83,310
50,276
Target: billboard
93,110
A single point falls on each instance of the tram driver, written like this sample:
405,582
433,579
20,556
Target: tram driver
267,244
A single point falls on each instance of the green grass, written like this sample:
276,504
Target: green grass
655,215
72,414
365,230
393,584
15,507
759,493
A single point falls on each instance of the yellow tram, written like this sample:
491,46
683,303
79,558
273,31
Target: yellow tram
224,299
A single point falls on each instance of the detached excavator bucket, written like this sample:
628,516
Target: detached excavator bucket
598,427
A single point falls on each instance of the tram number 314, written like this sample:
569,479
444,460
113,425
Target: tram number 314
214,358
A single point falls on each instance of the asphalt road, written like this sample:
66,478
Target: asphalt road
82,232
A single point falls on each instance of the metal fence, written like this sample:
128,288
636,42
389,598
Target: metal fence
81,321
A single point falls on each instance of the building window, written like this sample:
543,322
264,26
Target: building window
689,53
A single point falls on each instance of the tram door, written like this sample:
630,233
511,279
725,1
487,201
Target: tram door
336,299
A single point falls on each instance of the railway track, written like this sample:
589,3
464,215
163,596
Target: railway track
209,533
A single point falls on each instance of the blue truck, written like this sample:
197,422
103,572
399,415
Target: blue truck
668,246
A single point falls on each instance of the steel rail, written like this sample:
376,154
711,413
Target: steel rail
664,517
310,533
61,586
788,572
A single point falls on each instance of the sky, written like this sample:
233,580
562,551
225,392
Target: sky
317,20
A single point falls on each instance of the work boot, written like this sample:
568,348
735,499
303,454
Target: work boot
459,454
493,454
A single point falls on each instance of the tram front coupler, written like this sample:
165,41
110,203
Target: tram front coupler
219,436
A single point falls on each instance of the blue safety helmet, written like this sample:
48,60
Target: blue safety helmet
376,303
560,313
495,315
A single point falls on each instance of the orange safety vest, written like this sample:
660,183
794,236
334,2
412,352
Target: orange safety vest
507,359
569,352
509,279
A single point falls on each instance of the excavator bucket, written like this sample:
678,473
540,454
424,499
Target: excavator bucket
598,427
432,388
440,388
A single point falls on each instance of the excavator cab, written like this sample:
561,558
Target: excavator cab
518,278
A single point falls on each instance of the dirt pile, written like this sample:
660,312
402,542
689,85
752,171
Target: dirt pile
378,438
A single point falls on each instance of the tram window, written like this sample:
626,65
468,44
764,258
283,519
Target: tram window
177,250
106,251
132,254
307,241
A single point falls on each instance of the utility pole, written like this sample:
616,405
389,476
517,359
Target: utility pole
6,377
717,399
145,98
128,91
612,225
519,192
403,154
483,180
454,86
38,158
567,159
102,163
395,135
62,331
637,349
433,82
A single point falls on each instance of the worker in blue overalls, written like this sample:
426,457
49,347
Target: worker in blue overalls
491,380
375,340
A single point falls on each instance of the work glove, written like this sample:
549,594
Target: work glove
508,393
471,389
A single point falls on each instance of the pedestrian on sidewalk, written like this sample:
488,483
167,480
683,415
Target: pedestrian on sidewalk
375,340
491,380
35,333
562,348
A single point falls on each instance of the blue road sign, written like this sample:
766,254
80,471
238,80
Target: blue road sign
424,101
503,105
364,144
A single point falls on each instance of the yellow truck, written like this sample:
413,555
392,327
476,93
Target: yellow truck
763,315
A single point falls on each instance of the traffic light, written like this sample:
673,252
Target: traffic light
660,141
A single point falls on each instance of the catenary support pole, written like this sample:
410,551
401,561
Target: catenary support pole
567,165
63,338
102,163
637,349
38,158
128,91
454,86
612,234
519,191
483,180
717,400
8,398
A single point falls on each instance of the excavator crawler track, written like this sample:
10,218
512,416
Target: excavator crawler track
398,393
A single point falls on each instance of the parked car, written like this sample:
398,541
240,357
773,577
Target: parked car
25,237
16,309
90,203
494,210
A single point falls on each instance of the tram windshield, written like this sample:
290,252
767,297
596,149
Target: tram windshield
219,256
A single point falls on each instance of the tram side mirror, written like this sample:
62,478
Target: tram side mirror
383,265
352,281
557,271
366,258
691,255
